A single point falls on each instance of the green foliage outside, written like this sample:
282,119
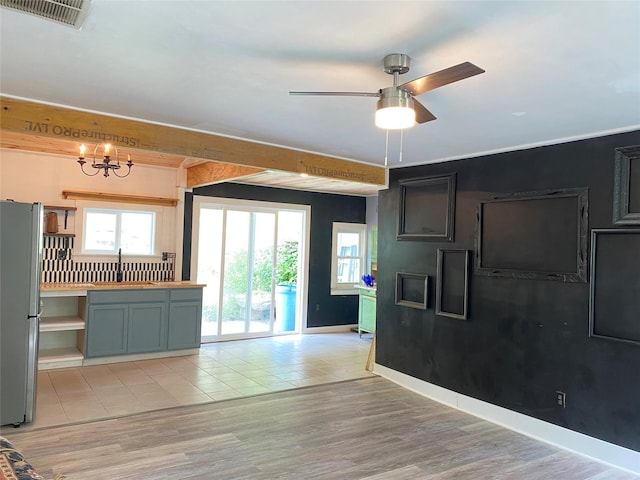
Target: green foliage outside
263,271
236,282
287,268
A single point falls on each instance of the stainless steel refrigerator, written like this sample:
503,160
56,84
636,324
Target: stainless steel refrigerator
20,257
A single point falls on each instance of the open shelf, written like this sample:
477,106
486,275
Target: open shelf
62,323
65,235
62,329
59,358
117,197
59,207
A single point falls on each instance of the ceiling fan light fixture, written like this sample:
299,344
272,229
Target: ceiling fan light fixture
395,109
395,118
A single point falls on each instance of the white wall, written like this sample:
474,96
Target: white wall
38,177
372,210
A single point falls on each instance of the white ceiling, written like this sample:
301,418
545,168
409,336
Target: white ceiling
554,70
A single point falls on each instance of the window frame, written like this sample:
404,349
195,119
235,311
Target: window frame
350,288
118,212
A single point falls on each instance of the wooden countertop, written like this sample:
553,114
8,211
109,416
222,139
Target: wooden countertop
54,287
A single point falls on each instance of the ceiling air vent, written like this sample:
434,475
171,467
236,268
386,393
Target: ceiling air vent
67,12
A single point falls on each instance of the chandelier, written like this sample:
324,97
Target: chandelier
106,163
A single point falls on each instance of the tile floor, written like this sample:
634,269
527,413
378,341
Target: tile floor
220,371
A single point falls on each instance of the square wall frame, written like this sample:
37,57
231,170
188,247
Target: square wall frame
412,290
427,208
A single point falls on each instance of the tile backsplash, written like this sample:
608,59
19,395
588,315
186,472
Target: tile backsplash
58,266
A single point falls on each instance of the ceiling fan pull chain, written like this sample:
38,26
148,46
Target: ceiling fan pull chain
400,156
386,148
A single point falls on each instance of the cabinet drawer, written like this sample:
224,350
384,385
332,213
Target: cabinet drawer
127,296
180,294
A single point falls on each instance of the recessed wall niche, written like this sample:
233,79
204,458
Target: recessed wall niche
626,188
537,235
427,208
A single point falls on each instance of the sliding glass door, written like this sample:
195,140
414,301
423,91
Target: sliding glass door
251,256
248,265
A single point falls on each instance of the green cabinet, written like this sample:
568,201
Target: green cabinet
142,321
366,310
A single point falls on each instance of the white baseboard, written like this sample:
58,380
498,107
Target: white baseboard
601,451
139,356
332,329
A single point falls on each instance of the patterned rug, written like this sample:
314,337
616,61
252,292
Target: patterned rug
13,466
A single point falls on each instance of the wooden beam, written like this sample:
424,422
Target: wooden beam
212,172
35,143
117,197
33,118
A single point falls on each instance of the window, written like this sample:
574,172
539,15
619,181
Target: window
105,231
348,249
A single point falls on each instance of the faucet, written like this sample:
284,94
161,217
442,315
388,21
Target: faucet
119,272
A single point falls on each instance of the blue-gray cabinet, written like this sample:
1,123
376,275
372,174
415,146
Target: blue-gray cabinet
142,321
108,332
147,327
185,318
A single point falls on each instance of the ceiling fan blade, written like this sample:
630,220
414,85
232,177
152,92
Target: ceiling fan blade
422,114
339,94
441,78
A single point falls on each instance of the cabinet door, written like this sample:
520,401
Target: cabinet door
367,314
184,325
147,327
107,330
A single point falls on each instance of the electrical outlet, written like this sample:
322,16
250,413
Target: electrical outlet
561,399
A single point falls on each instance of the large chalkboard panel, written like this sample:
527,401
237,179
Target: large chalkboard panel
526,338
539,235
614,307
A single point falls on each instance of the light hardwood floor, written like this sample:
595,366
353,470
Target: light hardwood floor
358,429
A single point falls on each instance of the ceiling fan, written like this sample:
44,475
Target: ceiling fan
396,106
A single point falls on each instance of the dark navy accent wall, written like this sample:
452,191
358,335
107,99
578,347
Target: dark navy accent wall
324,309
524,338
